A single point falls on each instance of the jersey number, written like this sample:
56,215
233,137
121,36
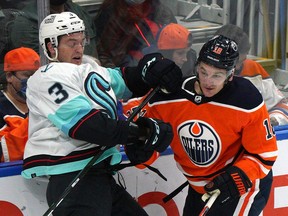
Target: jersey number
269,129
60,93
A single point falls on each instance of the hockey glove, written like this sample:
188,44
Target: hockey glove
156,70
232,184
157,134
136,153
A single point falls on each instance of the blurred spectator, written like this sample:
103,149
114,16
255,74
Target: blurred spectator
19,65
7,17
15,4
125,27
24,31
275,101
174,42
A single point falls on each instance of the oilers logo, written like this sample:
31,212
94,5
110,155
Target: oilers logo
200,142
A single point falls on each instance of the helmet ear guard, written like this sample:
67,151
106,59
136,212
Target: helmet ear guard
229,75
55,25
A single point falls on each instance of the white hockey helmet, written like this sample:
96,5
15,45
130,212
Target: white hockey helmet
55,25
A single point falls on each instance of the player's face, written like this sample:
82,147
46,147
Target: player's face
211,79
71,48
179,56
18,84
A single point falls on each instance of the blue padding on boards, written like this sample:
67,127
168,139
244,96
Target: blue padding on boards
11,168
281,132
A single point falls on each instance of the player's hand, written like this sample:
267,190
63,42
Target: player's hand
155,134
232,184
137,154
157,70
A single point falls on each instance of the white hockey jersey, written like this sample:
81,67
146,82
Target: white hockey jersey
60,97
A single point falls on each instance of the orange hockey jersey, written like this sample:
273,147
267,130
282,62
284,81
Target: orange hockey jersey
13,130
211,134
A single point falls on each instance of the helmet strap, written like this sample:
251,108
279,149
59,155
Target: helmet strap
230,74
55,58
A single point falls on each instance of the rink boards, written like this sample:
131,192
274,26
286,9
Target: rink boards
21,197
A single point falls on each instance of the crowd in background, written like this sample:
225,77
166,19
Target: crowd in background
124,31
123,35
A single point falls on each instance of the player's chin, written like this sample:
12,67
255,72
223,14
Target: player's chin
209,92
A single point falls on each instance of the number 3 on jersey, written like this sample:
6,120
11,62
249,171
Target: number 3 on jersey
60,93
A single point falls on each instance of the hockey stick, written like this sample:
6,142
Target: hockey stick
83,172
144,102
209,203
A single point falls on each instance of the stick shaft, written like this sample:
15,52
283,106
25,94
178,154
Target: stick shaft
209,203
145,101
83,172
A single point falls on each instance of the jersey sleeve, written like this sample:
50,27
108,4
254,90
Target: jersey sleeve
260,147
118,84
115,78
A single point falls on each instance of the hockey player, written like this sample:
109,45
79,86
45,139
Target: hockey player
223,137
72,113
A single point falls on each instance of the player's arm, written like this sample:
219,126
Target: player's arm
152,70
73,114
260,153
259,142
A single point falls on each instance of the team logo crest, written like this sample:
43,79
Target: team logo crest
200,142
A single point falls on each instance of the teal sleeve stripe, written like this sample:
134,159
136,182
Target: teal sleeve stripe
71,167
70,113
118,84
